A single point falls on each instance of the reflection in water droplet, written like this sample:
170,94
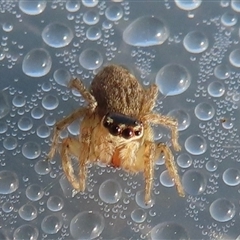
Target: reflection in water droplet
34,192
222,210
182,118
184,160
26,232
57,35
25,123
234,58
91,59
216,89
194,182
31,150
37,63
146,31
50,102
32,7
51,224
55,203
87,225
195,42
231,176
62,77
173,79
169,230
138,215
93,33
10,143
110,191
91,17
8,182
114,13
196,145
204,111
229,19
27,212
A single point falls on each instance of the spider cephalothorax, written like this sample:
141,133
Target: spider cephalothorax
116,129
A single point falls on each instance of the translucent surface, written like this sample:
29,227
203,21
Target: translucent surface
189,49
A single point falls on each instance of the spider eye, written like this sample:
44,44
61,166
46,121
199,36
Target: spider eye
138,133
115,130
127,133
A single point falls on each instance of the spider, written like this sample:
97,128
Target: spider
116,129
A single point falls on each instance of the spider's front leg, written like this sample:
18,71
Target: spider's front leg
171,166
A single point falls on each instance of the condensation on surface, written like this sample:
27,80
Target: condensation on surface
189,49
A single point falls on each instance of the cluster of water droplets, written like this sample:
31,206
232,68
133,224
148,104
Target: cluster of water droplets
36,198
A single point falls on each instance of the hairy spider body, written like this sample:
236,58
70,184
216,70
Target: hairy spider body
116,129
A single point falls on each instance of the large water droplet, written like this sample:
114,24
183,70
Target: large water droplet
173,79
33,7
51,224
188,4
28,212
87,225
26,232
146,31
4,105
37,63
196,145
8,182
31,150
57,35
234,57
91,59
231,176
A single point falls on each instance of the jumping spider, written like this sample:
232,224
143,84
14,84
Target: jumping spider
116,129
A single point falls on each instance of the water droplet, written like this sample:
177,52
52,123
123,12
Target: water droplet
43,131
42,167
229,19
196,145
169,230
211,165
110,191
37,113
31,150
57,35
231,176
87,225
26,232
62,77
222,71
7,207
10,143
25,123
146,31
7,27
73,5
34,192
27,212
3,127
37,63
166,180
32,8
4,105
216,89
91,59
8,182
222,210
182,117
235,5
173,79
114,13
194,182
195,42
55,203
91,17
19,101
93,33
138,215
140,200
234,57
204,111
184,160
51,224
90,3
50,102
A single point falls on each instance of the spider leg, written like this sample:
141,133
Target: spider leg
167,122
61,125
78,84
149,158
171,166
